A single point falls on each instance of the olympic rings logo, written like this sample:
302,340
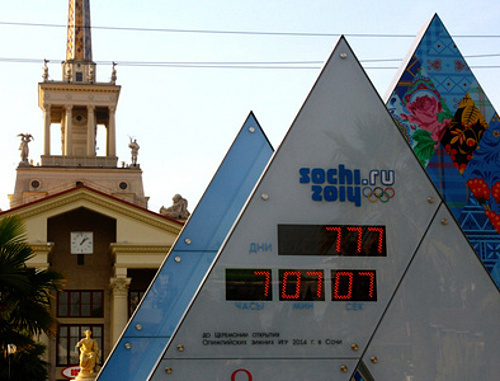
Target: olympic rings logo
377,193
249,375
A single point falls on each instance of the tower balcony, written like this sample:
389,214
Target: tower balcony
79,161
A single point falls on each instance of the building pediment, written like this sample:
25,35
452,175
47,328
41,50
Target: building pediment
135,225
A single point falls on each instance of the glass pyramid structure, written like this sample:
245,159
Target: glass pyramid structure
150,328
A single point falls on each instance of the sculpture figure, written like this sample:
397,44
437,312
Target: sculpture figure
178,210
67,73
45,75
113,74
89,356
134,147
25,139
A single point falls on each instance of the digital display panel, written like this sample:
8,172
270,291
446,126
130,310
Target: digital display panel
340,240
354,285
248,284
301,285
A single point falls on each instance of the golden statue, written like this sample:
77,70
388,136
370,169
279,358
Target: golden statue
89,355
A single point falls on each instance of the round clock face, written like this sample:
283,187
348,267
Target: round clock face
82,242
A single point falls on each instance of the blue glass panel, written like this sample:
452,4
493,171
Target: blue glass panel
228,190
131,360
169,294
191,256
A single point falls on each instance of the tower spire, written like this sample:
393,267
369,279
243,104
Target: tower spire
79,39
78,67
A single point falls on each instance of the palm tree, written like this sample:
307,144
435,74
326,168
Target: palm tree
24,294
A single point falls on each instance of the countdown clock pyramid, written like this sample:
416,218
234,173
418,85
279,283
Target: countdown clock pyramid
393,291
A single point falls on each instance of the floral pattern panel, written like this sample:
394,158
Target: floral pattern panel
464,133
455,132
417,107
483,172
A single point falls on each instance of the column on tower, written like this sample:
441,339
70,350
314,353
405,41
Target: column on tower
111,141
119,305
68,133
91,130
46,129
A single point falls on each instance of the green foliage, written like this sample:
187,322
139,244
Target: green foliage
444,115
25,295
25,364
424,147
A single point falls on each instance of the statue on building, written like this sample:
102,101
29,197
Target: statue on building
67,72
134,148
45,74
89,356
178,210
113,74
25,139
91,74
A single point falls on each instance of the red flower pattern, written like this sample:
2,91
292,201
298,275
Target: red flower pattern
480,189
424,112
495,192
494,218
451,151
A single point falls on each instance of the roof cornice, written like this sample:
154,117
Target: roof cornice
80,195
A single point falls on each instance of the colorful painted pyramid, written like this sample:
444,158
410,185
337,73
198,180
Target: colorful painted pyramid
455,133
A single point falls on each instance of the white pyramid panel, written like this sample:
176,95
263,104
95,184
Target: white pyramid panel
443,321
342,123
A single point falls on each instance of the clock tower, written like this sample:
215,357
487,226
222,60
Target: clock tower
76,108
86,217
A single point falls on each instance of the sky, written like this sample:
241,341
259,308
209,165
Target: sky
220,60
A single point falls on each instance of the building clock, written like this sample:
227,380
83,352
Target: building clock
82,242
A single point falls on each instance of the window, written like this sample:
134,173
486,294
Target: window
134,298
68,336
80,303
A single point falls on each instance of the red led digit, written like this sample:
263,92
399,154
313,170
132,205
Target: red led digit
360,236
342,240
249,284
284,294
371,275
267,274
301,285
337,229
319,283
338,275
354,285
380,244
